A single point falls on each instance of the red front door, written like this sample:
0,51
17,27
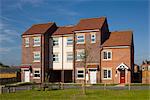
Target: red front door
122,76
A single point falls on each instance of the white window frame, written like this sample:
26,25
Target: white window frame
34,57
69,57
107,58
35,42
93,34
80,54
80,69
69,43
107,78
56,57
77,37
36,69
55,41
27,41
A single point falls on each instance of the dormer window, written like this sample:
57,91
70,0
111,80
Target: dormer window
36,41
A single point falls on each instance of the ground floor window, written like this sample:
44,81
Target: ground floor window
107,73
36,73
80,74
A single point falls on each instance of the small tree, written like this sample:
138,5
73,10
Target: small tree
84,56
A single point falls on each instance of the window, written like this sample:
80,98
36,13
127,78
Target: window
93,38
80,55
36,73
26,42
55,57
37,41
69,41
107,74
107,55
37,57
80,39
80,74
69,57
55,42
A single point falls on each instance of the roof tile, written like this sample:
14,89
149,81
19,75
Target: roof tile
90,23
121,38
38,29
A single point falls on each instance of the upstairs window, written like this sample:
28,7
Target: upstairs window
107,55
107,74
80,39
69,41
37,41
80,55
55,41
26,42
37,56
93,37
55,57
69,57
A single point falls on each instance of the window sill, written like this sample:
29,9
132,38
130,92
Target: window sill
36,61
26,46
93,42
80,43
55,62
107,78
36,45
80,78
79,60
106,59
36,77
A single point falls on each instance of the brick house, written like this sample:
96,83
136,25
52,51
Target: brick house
145,72
35,52
87,50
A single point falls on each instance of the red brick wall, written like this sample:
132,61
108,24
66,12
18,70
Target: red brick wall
119,55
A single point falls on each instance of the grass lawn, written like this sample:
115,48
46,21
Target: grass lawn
76,94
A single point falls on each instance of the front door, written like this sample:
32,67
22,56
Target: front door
93,77
122,76
27,76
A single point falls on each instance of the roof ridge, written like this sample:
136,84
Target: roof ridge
122,31
93,18
44,23
67,26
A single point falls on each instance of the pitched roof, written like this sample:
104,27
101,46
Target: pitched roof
121,38
64,30
38,28
90,23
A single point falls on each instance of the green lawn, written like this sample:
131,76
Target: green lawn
76,94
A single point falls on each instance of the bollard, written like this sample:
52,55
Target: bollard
1,89
8,89
14,89
129,87
104,86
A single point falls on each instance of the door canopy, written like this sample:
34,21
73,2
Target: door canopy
122,66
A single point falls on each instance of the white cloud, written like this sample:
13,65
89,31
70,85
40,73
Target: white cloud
33,2
7,34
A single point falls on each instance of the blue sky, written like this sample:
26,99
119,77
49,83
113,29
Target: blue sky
18,15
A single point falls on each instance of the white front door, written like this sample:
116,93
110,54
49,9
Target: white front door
93,77
27,76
